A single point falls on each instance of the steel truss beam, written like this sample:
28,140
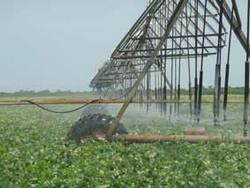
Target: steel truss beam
130,53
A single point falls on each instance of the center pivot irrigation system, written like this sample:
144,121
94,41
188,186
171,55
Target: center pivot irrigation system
169,38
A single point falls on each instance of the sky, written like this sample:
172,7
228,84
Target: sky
60,44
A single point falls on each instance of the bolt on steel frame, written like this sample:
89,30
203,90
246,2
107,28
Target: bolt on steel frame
169,35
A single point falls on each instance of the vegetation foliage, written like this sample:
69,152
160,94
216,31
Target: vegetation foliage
35,153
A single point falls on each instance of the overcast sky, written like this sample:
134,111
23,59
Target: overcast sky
60,44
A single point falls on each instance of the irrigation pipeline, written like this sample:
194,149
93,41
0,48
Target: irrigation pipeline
67,111
246,92
228,67
63,101
187,138
202,62
59,112
189,68
217,89
196,61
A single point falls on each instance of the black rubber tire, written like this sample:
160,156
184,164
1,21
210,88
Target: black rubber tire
88,125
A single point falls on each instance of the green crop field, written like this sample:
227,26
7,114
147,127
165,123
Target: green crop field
34,152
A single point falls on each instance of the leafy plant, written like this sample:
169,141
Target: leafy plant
35,153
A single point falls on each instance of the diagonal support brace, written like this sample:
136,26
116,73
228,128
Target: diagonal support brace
178,10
